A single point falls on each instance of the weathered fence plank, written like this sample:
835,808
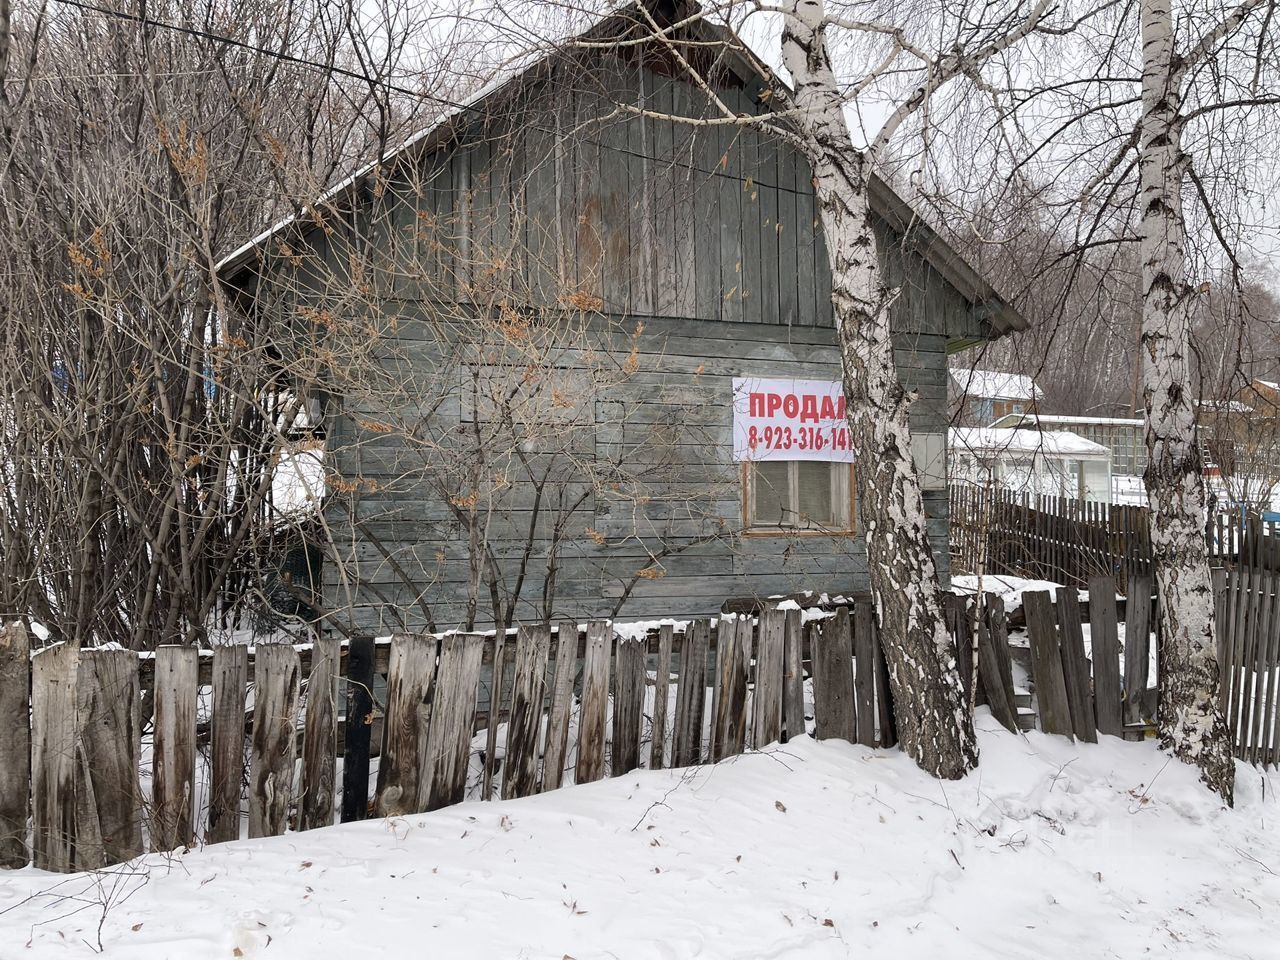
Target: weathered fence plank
410,674
320,736
528,689
793,676
274,745
864,677
691,694
174,748
595,702
1104,637
1046,663
729,722
1264,672
661,691
358,730
226,743
628,705
15,743
996,681
553,763
109,734
448,746
767,722
1136,647
1075,666
960,626
888,730
833,699
53,766
496,680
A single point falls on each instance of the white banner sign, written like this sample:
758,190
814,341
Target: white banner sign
789,420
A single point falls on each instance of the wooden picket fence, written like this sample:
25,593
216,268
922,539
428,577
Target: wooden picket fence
1080,695
737,684
1072,541
1248,609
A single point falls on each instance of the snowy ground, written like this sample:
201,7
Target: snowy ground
814,850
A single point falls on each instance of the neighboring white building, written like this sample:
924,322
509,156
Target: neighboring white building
1121,435
982,396
1054,463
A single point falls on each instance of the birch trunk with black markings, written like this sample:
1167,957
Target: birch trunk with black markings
934,727
1189,717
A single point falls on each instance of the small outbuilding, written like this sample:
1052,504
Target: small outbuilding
1054,463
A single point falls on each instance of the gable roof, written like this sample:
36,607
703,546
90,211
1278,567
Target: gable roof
1051,443
886,203
995,385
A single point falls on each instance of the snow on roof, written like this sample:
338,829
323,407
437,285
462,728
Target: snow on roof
994,385
1031,419
1269,384
1050,443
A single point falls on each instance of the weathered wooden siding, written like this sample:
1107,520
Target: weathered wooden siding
704,235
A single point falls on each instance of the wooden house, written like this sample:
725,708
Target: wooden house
560,314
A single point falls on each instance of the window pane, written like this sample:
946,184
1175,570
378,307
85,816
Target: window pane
814,488
771,492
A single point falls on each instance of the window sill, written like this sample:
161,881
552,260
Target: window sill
776,532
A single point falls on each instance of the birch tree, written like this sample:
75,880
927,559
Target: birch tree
1160,132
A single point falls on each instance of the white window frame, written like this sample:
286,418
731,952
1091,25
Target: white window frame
845,493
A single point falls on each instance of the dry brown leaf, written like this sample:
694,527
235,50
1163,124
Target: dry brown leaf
782,807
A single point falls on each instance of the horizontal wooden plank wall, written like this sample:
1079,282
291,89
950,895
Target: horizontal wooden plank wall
703,242
755,668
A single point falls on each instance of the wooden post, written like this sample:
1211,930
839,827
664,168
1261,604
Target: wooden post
595,701
274,747
691,694
528,689
997,678
1075,666
728,731
864,678
109,731
833,699
1106,655
320,736
628,705
53,756
1136,647
884,694
411,671
553,763
770,656
230,684
1046,663
494,718
793,677
15,744
661,691
355,761
449,739
174,749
